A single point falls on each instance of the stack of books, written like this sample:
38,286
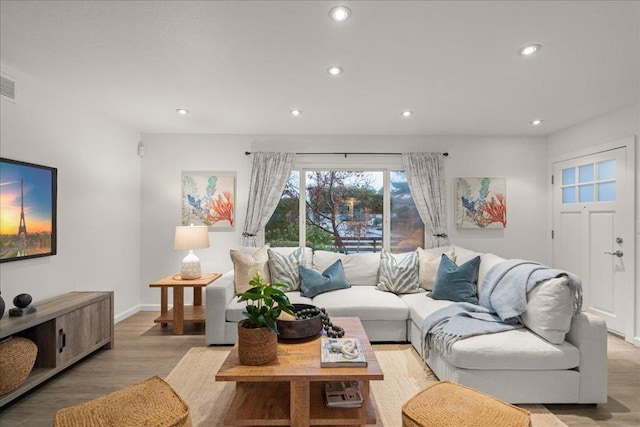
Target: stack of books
343,394
341,353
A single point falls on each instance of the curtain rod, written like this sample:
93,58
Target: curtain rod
347,154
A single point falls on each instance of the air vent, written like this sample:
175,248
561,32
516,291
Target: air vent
8,88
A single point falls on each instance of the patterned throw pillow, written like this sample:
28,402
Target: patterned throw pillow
456,283
284,269
399,277
429,261
313,283
243,265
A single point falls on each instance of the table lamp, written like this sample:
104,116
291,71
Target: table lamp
191,237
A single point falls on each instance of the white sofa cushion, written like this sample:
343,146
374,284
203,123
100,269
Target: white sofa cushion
359,269
549,309
487,262
463,255
244,261
428,263
518,349
365,302
420,306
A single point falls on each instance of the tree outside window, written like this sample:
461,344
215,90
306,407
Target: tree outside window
344,212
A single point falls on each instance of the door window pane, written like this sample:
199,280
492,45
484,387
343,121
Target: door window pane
569,195
407,229
586,193
607,170
586,173
607,192
568,176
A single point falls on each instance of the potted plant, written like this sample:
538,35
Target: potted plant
257,334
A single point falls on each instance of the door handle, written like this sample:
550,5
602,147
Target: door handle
617,253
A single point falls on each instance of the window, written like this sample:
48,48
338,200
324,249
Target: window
590,182
344,211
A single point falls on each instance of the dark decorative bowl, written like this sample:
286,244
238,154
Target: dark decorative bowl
301,328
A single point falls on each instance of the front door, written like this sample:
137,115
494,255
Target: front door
593,231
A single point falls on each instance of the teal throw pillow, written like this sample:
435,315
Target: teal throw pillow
313,283
399,277
456,283
284,269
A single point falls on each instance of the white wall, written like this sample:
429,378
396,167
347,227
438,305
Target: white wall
98,196
607,128
521,160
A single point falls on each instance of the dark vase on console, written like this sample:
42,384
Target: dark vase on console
1,306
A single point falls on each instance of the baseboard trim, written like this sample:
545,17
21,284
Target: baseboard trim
121,316
635,341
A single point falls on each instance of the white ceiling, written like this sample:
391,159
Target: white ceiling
240,66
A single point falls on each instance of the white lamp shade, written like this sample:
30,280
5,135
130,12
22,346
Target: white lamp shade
191,237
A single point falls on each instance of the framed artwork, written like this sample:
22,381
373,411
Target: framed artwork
28,210
208,198
480,203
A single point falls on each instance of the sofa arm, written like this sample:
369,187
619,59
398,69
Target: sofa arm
589,334
218,295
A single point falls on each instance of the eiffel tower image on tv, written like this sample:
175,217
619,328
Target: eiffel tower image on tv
22,228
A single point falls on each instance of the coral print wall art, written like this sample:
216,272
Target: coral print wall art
481,203
208,198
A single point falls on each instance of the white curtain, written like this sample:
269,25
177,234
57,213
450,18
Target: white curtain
425,175
269,174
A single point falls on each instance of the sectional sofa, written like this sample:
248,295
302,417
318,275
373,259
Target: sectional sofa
558,357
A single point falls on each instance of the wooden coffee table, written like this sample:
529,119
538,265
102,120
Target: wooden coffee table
289,391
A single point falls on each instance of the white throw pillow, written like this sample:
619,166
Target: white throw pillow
359,269
288,250
550,309
244,263
429,261
399,277
284,269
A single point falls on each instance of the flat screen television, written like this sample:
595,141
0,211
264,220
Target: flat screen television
27,210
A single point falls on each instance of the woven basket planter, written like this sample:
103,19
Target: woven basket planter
17,357
256,346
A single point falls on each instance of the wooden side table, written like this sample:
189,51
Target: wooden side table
181,314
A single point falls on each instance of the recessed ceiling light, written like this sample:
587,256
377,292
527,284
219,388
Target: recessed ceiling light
335,70
295,113
536,122
407,113
529,50
340,13
182,111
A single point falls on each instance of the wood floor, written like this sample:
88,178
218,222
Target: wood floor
143,349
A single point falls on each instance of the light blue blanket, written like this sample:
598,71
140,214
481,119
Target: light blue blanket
503,298
504,290
457,321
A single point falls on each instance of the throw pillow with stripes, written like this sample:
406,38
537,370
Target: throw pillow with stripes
399,277
284,269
